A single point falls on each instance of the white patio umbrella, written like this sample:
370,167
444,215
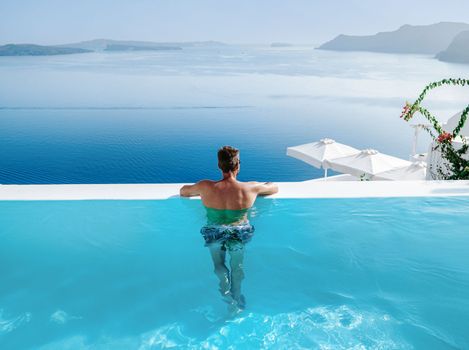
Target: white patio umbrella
414,171
367,162
317,153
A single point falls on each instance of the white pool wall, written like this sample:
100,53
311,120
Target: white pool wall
306,189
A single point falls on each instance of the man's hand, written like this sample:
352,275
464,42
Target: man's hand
266,188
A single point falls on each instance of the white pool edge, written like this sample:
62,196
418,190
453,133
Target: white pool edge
307,189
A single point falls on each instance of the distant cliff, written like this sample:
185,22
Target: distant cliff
103,44
457,51
100,45
118,47
37,50
408,39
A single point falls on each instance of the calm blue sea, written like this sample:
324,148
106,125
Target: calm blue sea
161,116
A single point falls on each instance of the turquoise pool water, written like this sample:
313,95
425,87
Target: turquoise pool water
319,273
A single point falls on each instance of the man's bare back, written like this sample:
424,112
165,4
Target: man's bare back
228,193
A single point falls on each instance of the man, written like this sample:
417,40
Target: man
227,202
228,193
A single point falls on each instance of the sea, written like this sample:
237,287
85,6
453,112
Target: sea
160,117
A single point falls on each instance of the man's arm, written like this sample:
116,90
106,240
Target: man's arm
192,190
265,188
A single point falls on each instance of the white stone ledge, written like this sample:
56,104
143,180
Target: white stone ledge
307,189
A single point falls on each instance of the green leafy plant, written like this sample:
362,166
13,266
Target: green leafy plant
364,177
456,167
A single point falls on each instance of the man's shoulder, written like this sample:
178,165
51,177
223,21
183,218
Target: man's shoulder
206,183
250,185
258,187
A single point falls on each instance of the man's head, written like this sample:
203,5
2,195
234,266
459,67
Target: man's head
228,159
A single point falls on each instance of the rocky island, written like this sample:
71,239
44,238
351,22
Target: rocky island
99,45
408,39
127,45
37,50
119,47
457,51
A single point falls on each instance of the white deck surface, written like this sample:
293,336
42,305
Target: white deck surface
307,189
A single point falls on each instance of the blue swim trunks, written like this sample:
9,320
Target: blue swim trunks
231,237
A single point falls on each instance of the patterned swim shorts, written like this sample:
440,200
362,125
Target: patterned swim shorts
231,237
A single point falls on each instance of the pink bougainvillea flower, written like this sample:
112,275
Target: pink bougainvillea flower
445,137
406,111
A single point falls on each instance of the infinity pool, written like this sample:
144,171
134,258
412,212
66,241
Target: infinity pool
319,273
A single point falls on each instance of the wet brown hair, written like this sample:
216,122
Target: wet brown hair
228,159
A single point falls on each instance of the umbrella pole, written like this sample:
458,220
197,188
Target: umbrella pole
325,173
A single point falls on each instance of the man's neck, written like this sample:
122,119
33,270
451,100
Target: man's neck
229,176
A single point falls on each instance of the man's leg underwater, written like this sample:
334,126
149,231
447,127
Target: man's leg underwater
237,273
218,256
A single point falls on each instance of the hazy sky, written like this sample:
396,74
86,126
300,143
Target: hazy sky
235,21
